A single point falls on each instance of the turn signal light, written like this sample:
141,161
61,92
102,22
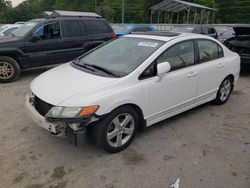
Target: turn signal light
89,110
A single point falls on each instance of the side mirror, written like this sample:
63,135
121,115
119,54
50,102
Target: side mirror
34,38
163,68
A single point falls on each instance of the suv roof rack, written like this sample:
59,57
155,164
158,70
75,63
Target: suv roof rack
165,34
62,13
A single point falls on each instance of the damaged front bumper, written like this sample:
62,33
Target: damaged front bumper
74,129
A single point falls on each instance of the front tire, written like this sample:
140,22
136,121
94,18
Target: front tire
117,130
9,69
224,91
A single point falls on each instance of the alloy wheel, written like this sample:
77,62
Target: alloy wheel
120,130
6,70
225,90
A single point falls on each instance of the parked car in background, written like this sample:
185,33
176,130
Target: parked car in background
240,42
57,39
20,22
7,29
125,29
132,82
199,29
225,33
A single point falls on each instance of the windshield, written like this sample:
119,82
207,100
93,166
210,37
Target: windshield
122,55
182,29
122,29
9,31
24,29
2,28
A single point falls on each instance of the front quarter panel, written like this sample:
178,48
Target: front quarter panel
136,94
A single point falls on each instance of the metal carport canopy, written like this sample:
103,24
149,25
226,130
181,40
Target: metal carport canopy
177,6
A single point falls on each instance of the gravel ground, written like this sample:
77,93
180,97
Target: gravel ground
205,147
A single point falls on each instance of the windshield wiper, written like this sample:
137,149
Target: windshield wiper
76,62
12,34
103,70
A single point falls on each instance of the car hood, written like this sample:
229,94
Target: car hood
8,38
242,30
63,82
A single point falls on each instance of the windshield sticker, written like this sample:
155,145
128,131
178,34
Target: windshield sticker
148,44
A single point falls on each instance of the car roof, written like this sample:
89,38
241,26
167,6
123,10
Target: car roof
165,36
66,18
135,25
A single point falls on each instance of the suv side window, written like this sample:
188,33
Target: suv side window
211,30
179,56
72,28
197,30
209,50
97,27
49,31
205,30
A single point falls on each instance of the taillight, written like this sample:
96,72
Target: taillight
114,36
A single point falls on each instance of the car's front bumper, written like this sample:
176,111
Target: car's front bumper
55,128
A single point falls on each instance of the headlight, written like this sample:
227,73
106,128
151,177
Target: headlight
71,112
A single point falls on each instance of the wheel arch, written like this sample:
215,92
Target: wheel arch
231,76
137,108
12,54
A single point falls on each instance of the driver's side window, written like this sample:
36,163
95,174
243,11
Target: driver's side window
179,56
49,31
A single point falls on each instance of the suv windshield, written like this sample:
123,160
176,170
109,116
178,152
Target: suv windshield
24,29
121,56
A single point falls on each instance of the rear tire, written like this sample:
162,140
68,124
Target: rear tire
117,130
224,91
9,69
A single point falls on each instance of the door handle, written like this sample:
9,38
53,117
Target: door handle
192,74
220,65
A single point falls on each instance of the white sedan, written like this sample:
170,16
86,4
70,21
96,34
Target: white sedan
131,83
8,29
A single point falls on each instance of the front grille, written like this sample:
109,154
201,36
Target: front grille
41,106
77,137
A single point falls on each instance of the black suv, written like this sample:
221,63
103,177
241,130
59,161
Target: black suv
46,41
199,29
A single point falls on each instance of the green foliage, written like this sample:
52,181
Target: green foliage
136,11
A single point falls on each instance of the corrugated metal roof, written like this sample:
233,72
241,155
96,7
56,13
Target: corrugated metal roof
176,6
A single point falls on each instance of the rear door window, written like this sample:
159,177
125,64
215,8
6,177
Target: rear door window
72,28
205,30
209,50
197,30
97,27
212,30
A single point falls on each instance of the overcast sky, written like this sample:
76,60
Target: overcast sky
16,2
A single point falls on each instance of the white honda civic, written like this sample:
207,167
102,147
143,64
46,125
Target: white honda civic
131,83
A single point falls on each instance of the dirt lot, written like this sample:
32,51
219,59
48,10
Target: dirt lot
208,147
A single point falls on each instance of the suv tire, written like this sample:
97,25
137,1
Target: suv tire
9,69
